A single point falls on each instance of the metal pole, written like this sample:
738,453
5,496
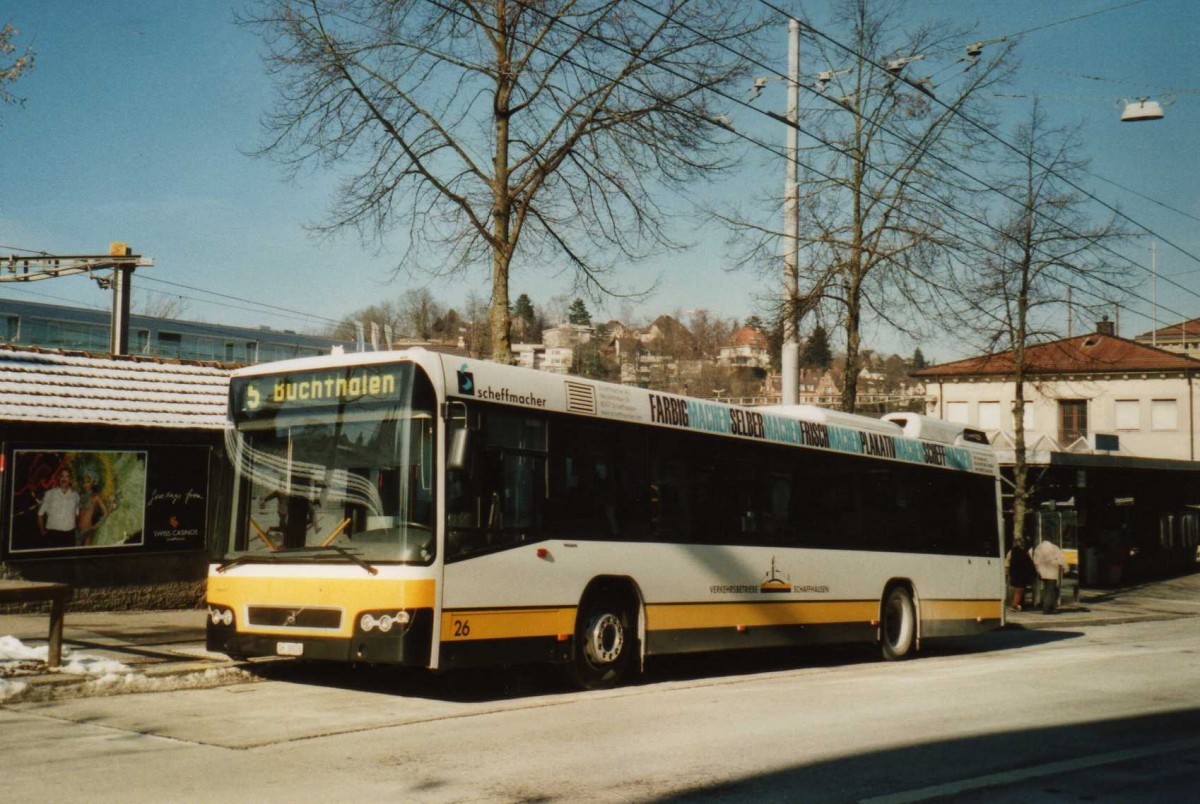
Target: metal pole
1069,322
122,278
790,357
1154,270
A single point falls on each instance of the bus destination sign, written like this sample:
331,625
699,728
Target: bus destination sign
316,389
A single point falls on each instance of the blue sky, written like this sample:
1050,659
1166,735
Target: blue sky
139,114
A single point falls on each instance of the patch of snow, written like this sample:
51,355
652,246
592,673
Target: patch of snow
80,664
14,650
101,676
11,689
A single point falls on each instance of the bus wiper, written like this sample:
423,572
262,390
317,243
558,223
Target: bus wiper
342,551
277,555
245,559
333,548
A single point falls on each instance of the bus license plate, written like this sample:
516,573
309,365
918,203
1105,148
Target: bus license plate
289,648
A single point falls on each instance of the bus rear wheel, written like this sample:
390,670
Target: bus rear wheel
898,625
604,644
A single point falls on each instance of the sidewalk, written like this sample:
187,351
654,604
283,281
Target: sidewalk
1158,600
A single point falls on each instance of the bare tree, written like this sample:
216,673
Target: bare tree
475,338
419,310
12,67
161,305
506,131
876,195
711,332
385,316
1044,243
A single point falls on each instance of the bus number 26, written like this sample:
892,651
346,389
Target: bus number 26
462,628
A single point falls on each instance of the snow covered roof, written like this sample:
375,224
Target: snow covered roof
51,386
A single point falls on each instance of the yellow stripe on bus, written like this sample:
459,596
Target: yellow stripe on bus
351,595
729,615
961,609
459,626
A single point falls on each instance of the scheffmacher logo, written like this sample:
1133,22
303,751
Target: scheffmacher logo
466,381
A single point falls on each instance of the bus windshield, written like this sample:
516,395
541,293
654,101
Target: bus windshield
333,465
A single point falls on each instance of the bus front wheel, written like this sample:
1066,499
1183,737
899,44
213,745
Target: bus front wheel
898,625
604,644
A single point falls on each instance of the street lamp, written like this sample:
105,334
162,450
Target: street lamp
1141,109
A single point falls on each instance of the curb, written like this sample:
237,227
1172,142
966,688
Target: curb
1065,620
46,678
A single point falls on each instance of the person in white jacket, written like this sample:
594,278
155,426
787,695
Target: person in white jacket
1051,564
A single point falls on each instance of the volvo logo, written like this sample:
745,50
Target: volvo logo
290,620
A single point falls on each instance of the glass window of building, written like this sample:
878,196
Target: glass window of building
989,415
1164,414
1127,414
1072,420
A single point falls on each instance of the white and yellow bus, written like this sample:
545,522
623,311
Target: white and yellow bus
423,509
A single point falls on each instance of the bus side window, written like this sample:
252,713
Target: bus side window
496,500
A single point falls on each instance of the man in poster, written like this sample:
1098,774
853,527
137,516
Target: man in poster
57,512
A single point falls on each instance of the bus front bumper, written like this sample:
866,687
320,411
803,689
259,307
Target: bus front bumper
410,646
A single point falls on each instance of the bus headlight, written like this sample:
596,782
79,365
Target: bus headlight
220,615
384,621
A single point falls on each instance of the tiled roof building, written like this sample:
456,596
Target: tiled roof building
1078,387
142,435
76,388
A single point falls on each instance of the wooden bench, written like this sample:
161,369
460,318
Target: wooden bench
37,592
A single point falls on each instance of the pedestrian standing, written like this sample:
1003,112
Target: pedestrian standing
1051,564
1021,573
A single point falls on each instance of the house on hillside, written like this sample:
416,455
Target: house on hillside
819,387
747,348
566,336
667,336
1111,441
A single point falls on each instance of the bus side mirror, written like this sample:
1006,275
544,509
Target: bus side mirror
456,456
458,419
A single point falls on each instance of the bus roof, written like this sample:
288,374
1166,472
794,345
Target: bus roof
797,425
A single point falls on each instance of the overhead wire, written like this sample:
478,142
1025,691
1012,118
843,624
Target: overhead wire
1044,26
838,148
256,306
957,168
754,141
988,132
259,306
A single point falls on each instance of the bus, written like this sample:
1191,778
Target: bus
423,509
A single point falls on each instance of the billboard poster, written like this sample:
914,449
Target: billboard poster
177,499
70,501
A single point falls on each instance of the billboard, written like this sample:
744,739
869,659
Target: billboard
71,501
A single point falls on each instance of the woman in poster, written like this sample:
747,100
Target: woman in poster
92,508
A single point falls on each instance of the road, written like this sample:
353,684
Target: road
1092,713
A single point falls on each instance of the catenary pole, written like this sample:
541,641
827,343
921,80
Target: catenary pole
790,357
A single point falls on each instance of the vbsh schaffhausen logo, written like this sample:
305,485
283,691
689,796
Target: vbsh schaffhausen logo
775,582
466,381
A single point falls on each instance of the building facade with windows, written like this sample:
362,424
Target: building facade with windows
1079,391
1111,443
53,326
